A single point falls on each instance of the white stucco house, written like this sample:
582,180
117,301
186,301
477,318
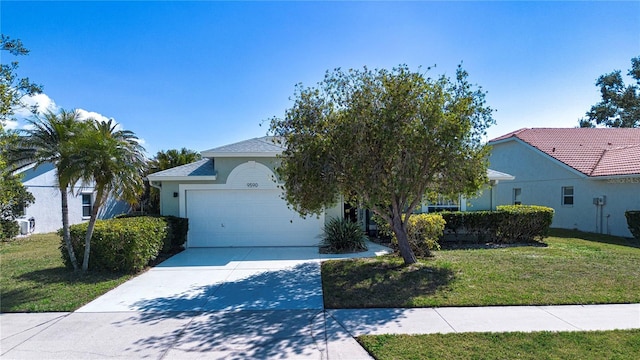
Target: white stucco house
45,214
590,176
233,198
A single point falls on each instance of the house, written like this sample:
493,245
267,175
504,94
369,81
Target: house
233,197
45,214
590,176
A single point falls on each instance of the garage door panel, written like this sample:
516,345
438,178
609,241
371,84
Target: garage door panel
246,218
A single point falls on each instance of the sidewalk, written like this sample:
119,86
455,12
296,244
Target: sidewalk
290,334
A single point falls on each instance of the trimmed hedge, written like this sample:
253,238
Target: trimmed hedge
508,224
178,228
423,232
125,244
633,222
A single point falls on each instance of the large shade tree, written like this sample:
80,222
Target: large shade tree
620,104
385,140
113,160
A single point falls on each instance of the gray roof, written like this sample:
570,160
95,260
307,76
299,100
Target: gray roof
202,167
264,146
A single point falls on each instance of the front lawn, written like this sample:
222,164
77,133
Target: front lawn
588,345
34,279
575,268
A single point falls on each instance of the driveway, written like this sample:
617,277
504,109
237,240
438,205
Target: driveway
213,303
211,279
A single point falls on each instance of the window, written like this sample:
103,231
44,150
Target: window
517,196
567,195
86,205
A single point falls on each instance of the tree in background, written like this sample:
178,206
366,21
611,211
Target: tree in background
162,161
620,105
12,88
384,140
113,160
14,197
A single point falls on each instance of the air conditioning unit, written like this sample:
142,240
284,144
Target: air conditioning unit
23,224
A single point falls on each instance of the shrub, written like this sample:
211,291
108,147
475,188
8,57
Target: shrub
119,245
633,221
8,229
523,222
342,235
177,234
423,232
508,224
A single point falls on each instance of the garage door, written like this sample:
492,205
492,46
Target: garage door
220,218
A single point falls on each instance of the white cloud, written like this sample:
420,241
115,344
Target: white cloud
43,102
10,124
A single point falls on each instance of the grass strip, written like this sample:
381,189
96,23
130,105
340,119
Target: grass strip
586,345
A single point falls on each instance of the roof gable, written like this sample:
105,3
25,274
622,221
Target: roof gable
591,151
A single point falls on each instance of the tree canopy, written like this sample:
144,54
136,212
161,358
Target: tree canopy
384,140
620,104
12,88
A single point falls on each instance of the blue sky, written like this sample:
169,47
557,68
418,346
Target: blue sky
204,74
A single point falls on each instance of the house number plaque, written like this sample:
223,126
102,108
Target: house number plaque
252,185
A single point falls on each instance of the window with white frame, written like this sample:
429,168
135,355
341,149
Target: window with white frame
517,196
567,196
87,201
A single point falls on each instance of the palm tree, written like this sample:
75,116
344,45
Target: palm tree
49,139
162,161
114,160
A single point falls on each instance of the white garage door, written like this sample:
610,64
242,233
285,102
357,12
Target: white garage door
219,218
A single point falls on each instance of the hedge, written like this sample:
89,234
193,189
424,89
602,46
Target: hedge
178,228
633,221
508,224
125,244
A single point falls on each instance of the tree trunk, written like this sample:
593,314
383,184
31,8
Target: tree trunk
90,227
403,242
66,234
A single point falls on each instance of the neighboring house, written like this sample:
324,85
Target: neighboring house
232,197
590,176
45,214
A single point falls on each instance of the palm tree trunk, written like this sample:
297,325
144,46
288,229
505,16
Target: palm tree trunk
66,234
90,227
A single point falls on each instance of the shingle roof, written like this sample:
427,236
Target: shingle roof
254,146
202,167
591,151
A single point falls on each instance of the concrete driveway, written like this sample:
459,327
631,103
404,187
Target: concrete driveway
218,303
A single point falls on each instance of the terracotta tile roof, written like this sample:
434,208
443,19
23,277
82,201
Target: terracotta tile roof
593,152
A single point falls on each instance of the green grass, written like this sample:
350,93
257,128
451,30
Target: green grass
575,268
618,344
34,279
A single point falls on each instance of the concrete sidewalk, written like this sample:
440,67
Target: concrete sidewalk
276,334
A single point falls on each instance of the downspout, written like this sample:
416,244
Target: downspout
157,185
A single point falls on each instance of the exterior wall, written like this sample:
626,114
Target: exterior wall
484,199
47,208
541,179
